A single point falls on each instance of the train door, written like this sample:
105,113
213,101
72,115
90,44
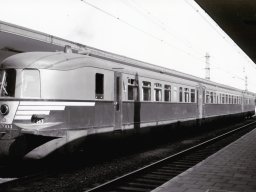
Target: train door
118,100
200,101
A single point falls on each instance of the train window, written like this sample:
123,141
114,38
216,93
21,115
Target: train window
223,99
8,80
211,97
158,92
132,89
186,94
30,83
146,91
99,86
181,94
226,98
214,98
167,93
192,95
207,97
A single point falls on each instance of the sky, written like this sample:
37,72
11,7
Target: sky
175,34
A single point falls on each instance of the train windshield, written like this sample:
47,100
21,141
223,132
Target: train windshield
7,85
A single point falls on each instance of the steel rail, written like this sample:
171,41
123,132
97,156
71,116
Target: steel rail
181,153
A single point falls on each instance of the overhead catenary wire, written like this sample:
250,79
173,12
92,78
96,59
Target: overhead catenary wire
219,31
157,21
142,30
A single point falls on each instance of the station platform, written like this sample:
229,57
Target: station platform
232,169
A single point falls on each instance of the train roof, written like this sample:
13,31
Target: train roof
68,61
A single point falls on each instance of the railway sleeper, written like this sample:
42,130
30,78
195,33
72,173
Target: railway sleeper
141,184
124,188
156,177
148,180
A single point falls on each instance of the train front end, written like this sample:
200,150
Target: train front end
8,107
27,129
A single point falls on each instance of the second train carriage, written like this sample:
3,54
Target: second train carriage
51,99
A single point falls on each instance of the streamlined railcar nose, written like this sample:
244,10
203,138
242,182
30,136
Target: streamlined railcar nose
7,113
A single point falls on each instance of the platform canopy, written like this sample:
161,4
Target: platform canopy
15,39
237,18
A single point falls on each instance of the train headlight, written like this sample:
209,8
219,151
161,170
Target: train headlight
4,109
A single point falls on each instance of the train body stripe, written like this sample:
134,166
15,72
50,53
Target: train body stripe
32,112
28,108
40,108
55,103
22,117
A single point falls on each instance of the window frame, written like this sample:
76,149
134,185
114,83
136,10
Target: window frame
22,80
99,94
146,86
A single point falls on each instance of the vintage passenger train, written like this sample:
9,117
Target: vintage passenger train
50,99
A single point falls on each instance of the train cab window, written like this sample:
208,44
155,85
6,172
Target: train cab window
30,83
181,94
186,95
167,93
192,95
99,86
146,91
132,90
8,81
158,92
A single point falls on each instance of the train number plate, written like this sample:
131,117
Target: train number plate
6,126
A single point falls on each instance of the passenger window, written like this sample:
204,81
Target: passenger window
223,99
186,91
146,91
158,92
31,83
211,97
132,89
99,86
181,95
192,95
207,97
167,93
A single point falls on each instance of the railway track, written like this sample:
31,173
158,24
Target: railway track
155,174
144,179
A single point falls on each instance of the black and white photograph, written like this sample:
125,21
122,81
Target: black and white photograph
127,96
